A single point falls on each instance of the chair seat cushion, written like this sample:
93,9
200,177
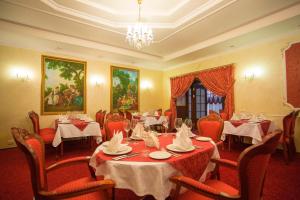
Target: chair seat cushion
101,195
218,185
47,134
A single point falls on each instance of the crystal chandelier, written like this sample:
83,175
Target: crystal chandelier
139,35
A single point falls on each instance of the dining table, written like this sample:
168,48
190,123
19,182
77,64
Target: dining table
75,128
256,130
149,175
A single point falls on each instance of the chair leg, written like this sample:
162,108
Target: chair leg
229,142
285,153
292,148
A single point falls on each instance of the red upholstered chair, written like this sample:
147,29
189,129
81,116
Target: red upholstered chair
251,167
128,115
47,134
168,113
100,117
292,146
287,139
113,124
211,126
84,188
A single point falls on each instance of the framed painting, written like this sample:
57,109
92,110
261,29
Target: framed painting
63,86
124,93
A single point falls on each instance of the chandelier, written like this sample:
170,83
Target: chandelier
139,35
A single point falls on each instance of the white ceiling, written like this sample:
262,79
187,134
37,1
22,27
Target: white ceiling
184,30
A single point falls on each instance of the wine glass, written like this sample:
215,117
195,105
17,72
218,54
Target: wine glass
126,126
132,126
189,124
165,124
178,123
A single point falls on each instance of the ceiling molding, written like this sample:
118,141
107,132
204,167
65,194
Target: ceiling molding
252,26
53,36
147,14
171,25
265,41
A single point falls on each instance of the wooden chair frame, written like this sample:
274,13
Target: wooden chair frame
40,191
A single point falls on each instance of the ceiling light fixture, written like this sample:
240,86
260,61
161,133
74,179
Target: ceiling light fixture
139,35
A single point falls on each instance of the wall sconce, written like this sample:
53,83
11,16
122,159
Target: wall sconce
252,73
97,80
145,84
22,74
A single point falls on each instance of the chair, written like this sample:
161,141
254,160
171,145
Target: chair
84,188
211,126
251,167
292,146
47,134
286,140
128,115
100,117
113,124
168,113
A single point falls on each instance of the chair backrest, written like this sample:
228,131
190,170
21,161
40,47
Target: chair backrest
100,116
113,124
210,126
293,124
35,121
287,124
121,113
252,166
33,148
128,115
159,112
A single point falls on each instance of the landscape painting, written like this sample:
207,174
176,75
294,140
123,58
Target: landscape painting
124,89
63,86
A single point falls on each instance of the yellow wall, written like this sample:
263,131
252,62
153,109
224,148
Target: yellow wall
17,98
263,94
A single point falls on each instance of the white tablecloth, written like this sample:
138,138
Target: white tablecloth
71,131
153,121
248,129
143,178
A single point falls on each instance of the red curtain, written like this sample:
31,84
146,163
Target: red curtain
220,81
179,86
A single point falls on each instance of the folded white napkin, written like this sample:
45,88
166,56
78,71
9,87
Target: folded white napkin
114,144
182,140
145,114
151,140
138,130
156,113
254,119
261,117
235,117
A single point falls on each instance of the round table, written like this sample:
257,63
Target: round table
146,176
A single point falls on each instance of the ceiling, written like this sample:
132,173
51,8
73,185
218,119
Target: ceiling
184,30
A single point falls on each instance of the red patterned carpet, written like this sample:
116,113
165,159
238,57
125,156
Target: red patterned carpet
282,181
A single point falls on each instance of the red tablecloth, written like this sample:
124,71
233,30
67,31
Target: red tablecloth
190,164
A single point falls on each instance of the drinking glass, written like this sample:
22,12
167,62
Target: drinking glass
126,126
188,123
132,126
178,123
165,124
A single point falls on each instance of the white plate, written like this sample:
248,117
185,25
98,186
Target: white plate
174,148
125,149
135,138
159,155
203,139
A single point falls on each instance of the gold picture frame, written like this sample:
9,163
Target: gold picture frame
125,90
63,85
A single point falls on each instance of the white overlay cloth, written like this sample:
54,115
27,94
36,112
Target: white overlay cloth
153,121
249,129
71,131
